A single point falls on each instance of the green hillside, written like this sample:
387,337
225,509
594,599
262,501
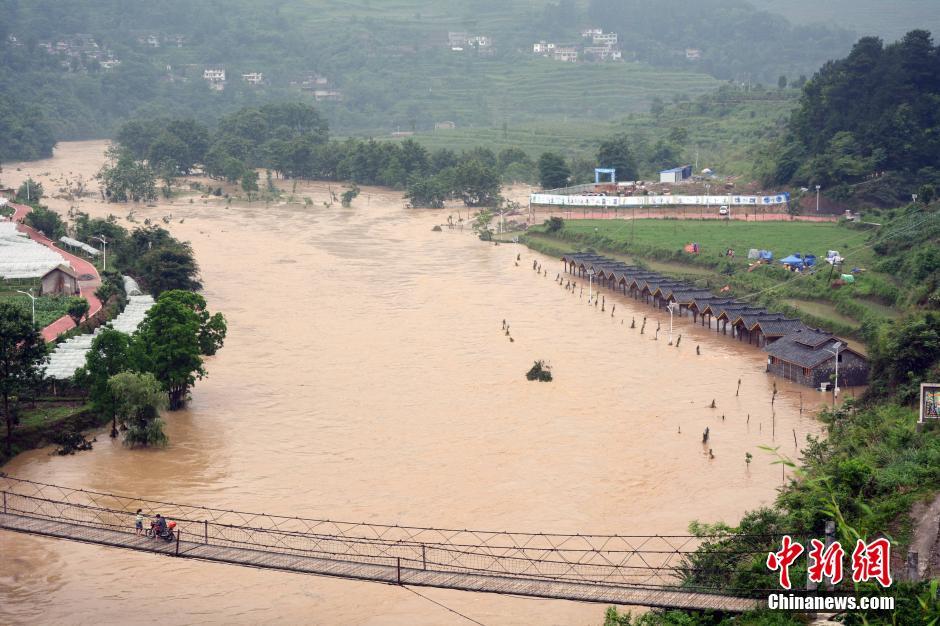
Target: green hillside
889,20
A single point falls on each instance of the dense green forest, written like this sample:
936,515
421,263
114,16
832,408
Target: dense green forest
79,69
867,125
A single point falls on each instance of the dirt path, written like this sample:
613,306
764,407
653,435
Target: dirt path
80,265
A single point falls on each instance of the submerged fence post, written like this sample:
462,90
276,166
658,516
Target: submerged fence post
399,569
424,558
206,531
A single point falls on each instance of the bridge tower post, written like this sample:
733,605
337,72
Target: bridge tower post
205,533
424,558
178,533
399,569
4,501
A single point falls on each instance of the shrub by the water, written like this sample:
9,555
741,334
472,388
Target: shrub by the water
70,442
540,371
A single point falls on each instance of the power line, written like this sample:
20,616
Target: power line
443,606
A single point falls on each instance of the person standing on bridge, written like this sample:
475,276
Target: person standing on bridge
139,522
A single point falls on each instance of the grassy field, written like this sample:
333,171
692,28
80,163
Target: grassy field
658,244
714,237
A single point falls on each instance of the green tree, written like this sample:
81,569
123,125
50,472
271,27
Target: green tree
46,221
109,355
212,328
167,345
29,192
554,224
22,351
510,156
126,179
481,224
476,184
782,82
429,191
166,267
905,354
926,193
615,153
138,400
250,182
553,171
349,195
77,309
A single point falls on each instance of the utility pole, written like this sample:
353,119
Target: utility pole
33,298
817,198
104,241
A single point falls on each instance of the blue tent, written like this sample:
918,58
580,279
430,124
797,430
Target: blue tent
766,255
793,260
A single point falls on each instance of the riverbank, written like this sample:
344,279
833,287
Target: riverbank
659,245
366,377
44,421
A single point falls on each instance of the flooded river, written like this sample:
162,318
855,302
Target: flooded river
366,377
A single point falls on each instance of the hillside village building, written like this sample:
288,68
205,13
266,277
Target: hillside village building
568,54
253,78
215,76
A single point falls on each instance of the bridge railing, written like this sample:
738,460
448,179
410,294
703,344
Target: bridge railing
655,562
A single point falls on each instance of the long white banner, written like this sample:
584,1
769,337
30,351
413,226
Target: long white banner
632,201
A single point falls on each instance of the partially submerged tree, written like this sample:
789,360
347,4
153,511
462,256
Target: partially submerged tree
109,355
540,371
481,225
21,354
171,341
349,195
139,398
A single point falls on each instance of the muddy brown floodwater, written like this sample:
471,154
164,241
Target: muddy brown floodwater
366,377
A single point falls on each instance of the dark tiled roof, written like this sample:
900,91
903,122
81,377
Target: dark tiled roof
792,348
689,296
772,328
731,311
750,320
813,338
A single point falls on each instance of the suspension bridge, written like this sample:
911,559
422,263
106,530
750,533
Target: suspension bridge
652,571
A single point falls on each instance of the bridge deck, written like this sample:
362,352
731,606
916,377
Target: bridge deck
466,581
